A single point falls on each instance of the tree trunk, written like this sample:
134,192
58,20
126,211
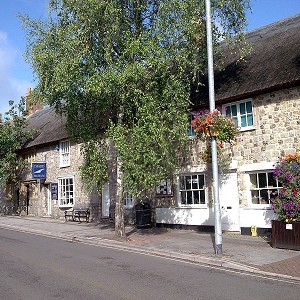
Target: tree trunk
119,212
116,190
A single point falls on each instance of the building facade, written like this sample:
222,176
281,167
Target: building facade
262,94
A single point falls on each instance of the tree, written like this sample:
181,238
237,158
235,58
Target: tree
13,135
122,70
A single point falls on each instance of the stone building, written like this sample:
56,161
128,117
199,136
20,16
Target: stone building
262,92
52,182
263,95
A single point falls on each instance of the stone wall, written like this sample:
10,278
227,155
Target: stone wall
277,130
38,190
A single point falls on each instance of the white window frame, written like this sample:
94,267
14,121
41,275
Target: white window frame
66,195
192,189
128,199
262,192
239,115
64,153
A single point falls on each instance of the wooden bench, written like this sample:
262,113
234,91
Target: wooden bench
77,213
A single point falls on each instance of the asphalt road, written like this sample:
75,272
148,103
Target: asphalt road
36,267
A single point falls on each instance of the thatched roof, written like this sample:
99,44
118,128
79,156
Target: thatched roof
50,127
274,63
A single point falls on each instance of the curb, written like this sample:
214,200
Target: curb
213,262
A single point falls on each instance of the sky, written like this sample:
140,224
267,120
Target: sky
16,75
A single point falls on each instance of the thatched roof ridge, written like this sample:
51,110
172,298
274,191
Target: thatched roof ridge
49,125
273,64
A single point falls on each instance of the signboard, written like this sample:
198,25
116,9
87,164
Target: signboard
38,170
54,191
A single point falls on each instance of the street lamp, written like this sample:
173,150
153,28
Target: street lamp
217,210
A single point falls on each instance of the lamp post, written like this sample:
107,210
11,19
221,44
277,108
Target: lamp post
217,210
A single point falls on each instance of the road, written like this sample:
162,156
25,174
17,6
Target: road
36,267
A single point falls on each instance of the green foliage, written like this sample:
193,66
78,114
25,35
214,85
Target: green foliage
125,68
150,146
94,169
13,135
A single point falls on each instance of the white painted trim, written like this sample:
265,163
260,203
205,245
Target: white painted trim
59,196
262,166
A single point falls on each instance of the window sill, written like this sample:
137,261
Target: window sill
246,129
192,206
65,166
259,207
66,206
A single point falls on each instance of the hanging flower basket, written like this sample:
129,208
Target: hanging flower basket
213,124
208,124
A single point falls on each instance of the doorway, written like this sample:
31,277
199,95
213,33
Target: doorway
229,202
27,198
49,200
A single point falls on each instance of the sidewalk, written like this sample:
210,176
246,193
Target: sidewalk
242,253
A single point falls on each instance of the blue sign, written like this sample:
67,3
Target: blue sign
38,170
54,191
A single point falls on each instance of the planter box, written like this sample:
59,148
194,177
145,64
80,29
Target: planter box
286,235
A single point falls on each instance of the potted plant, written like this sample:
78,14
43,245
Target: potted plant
286,229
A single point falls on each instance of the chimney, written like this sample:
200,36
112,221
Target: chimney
31,107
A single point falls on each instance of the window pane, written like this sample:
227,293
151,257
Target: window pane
188,182
250,120
202,197
195,182
235,120
182,185
266,188
242,108
234,110
66,193
243,121
190,129
183,197
271,180
262,180
196,197
253,180
255,197
273,193
192,189
201,181
249,107
264,196
228,110
189,197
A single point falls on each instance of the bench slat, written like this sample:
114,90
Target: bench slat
77,214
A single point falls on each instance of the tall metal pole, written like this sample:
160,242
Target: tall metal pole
217,210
